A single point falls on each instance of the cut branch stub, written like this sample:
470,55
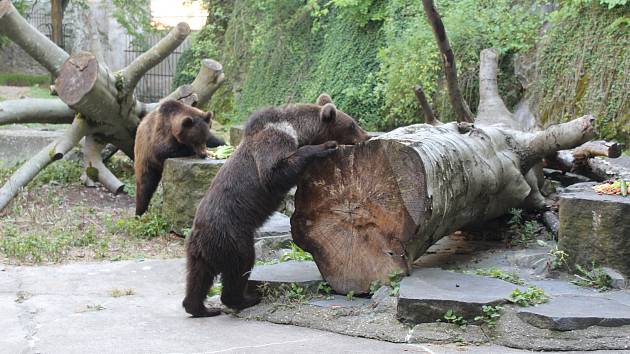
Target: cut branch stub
491,109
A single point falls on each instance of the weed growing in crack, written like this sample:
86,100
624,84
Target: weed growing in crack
531,296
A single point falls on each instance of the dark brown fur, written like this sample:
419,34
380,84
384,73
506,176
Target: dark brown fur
172,130
247,190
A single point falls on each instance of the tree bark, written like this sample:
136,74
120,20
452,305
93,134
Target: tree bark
56,15
362,223
35,110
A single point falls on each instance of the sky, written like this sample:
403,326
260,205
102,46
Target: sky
168,13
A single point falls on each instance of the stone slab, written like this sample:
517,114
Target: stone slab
304,274
427,294
236,134
20,145
595,228
571,312
185,181
277,225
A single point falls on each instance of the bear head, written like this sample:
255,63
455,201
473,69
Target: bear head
189,126
337,125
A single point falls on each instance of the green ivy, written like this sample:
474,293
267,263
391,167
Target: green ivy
582,66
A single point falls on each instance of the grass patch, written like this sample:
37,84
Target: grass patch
532,296
147,226
39,246
38,92
494,272
62,172
19,79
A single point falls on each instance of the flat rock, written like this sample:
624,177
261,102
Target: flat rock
595,228
21,144
429,293
567,313
304,274
277,225
513,332
185,181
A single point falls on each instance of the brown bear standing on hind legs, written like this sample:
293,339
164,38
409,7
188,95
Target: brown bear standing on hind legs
278,144
171,130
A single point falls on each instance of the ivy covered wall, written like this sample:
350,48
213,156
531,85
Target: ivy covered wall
368,54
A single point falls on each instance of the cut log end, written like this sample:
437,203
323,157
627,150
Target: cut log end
212,65
6,7
77,77
352,218
182,30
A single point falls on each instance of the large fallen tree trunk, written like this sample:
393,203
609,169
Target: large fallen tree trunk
374,208
100,104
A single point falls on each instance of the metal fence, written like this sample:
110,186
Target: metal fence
158,82
40,18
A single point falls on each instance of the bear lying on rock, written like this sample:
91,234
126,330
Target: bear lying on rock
171,130
278,144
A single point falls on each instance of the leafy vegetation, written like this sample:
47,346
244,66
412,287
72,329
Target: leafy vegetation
296,254
366,54
523,231
490,315
147,226
395,277
494,272
532,296
595,277
215,289
451,317
324,288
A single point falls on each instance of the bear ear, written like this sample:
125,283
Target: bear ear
323,99
187,122
208,117
328,113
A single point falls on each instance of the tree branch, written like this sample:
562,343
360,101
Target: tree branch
96,169
54,151
429,118
450,70
491,109
154,56
198,93
42,49
558,137
35,110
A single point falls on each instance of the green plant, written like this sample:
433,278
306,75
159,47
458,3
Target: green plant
215,289
490,315
531,296
557,257
451,317
523,232
295,292
394,281
595,277
374,286
146,226
494,272
350,295
296,254
324,288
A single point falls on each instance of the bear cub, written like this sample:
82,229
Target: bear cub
278,144
171,130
